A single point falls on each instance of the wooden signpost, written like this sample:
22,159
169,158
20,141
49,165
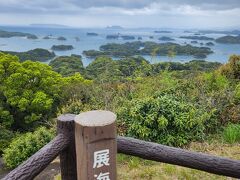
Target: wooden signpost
95,137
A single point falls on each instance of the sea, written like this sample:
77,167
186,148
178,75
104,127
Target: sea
221,51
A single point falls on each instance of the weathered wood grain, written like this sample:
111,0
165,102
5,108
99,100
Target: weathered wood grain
66,125
95,131
177,156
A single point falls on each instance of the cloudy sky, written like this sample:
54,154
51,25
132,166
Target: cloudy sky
203,14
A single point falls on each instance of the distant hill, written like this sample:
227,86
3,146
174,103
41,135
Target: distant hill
234,32
229,40
8,34
49,25
114,27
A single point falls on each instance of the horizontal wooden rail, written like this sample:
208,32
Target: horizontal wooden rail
177,156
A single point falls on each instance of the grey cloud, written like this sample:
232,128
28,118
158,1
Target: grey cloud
68,5
71,6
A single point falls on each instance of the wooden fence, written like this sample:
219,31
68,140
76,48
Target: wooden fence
87,145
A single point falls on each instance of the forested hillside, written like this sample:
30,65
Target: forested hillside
168,103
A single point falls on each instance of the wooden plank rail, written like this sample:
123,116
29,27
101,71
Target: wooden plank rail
177,156
64,145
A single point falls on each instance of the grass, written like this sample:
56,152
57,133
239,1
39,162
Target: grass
129,167
139,169
231,133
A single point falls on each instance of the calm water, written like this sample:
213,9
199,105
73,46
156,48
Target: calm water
221,51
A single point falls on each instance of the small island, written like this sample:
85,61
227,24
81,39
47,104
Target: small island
139,38
162,31
200,56
205,38
114,27
62,47
229,39
112,36
210,44
93,53
126,37
187,31
194,42
92,34
61,38
37,54
233,32
32,36
46,37
7,34
165,38
150,37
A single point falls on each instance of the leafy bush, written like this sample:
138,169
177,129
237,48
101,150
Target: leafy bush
164,119
231,133
5,138
30,91
25,145
237,93
232,68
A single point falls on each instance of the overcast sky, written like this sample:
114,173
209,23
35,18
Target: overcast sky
202,14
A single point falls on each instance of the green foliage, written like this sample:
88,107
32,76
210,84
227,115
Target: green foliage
164,119
194,65
68,65
232,68
37,54
6,119
103,69
135,67
7,34
215,81
229,39
231,133
147,48
30,91
5,138
23,146
237,93
62,47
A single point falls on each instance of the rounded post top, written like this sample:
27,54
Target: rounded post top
66,117
95,118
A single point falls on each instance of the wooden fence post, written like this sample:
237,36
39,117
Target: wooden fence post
66,126
96,148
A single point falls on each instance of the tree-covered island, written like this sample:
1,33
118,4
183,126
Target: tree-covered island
8,34
146,48
37,54
62,47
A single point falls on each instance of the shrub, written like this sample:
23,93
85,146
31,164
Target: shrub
232,68
231,133
5,138
237,93
164,119
25,145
